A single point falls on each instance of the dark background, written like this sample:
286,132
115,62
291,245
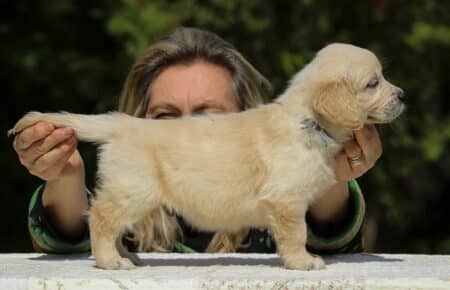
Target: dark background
74,56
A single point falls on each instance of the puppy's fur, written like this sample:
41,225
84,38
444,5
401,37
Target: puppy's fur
261,167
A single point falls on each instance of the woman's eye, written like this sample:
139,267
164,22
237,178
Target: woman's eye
165,116
372,84
205,111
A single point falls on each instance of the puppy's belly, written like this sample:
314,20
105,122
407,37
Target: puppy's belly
210,216
224,223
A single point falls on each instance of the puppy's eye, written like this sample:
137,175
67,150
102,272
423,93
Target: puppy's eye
372,84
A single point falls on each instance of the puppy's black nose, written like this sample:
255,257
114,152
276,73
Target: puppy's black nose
401,95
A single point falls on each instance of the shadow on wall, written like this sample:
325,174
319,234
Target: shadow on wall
199,260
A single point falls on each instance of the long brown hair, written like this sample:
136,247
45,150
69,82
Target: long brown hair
160,230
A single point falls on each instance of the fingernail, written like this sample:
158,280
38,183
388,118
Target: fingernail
67,131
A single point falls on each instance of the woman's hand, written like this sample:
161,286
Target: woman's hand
48,152
359,155
51,154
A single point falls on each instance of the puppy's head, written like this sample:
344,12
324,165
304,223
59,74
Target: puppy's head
354,92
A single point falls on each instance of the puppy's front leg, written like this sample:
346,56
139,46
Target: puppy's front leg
287,221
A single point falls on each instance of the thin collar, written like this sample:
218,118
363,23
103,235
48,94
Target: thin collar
312,124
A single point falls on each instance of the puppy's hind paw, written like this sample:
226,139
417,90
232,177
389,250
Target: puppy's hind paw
317,263
118,264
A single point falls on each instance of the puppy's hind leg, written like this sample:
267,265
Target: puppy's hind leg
108,220
287,221
106,226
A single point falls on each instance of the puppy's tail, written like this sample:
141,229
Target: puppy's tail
90,128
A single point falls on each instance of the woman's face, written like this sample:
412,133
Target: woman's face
188,89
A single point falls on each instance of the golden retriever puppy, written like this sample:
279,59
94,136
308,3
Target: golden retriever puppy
226,172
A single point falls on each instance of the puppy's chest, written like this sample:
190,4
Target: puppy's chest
315,160
308,162
316,172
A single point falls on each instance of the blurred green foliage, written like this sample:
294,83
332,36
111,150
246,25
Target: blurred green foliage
74,55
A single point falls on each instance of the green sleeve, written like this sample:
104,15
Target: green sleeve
44,237
344,236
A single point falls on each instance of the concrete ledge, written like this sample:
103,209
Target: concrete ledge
225,271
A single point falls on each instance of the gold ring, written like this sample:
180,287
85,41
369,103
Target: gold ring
356,160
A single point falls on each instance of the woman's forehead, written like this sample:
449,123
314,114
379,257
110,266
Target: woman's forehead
192,83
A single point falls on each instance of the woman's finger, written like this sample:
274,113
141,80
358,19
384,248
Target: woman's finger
50,164
370,143
32,134
354,154
43,146
344,172
60,165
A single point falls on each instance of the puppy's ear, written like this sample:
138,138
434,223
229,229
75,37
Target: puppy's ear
336,104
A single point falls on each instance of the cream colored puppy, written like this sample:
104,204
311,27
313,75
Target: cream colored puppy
225,172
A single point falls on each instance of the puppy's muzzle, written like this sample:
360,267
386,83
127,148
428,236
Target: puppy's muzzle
397,106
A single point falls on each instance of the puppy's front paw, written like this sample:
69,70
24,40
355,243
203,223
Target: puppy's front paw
116,264
305,263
